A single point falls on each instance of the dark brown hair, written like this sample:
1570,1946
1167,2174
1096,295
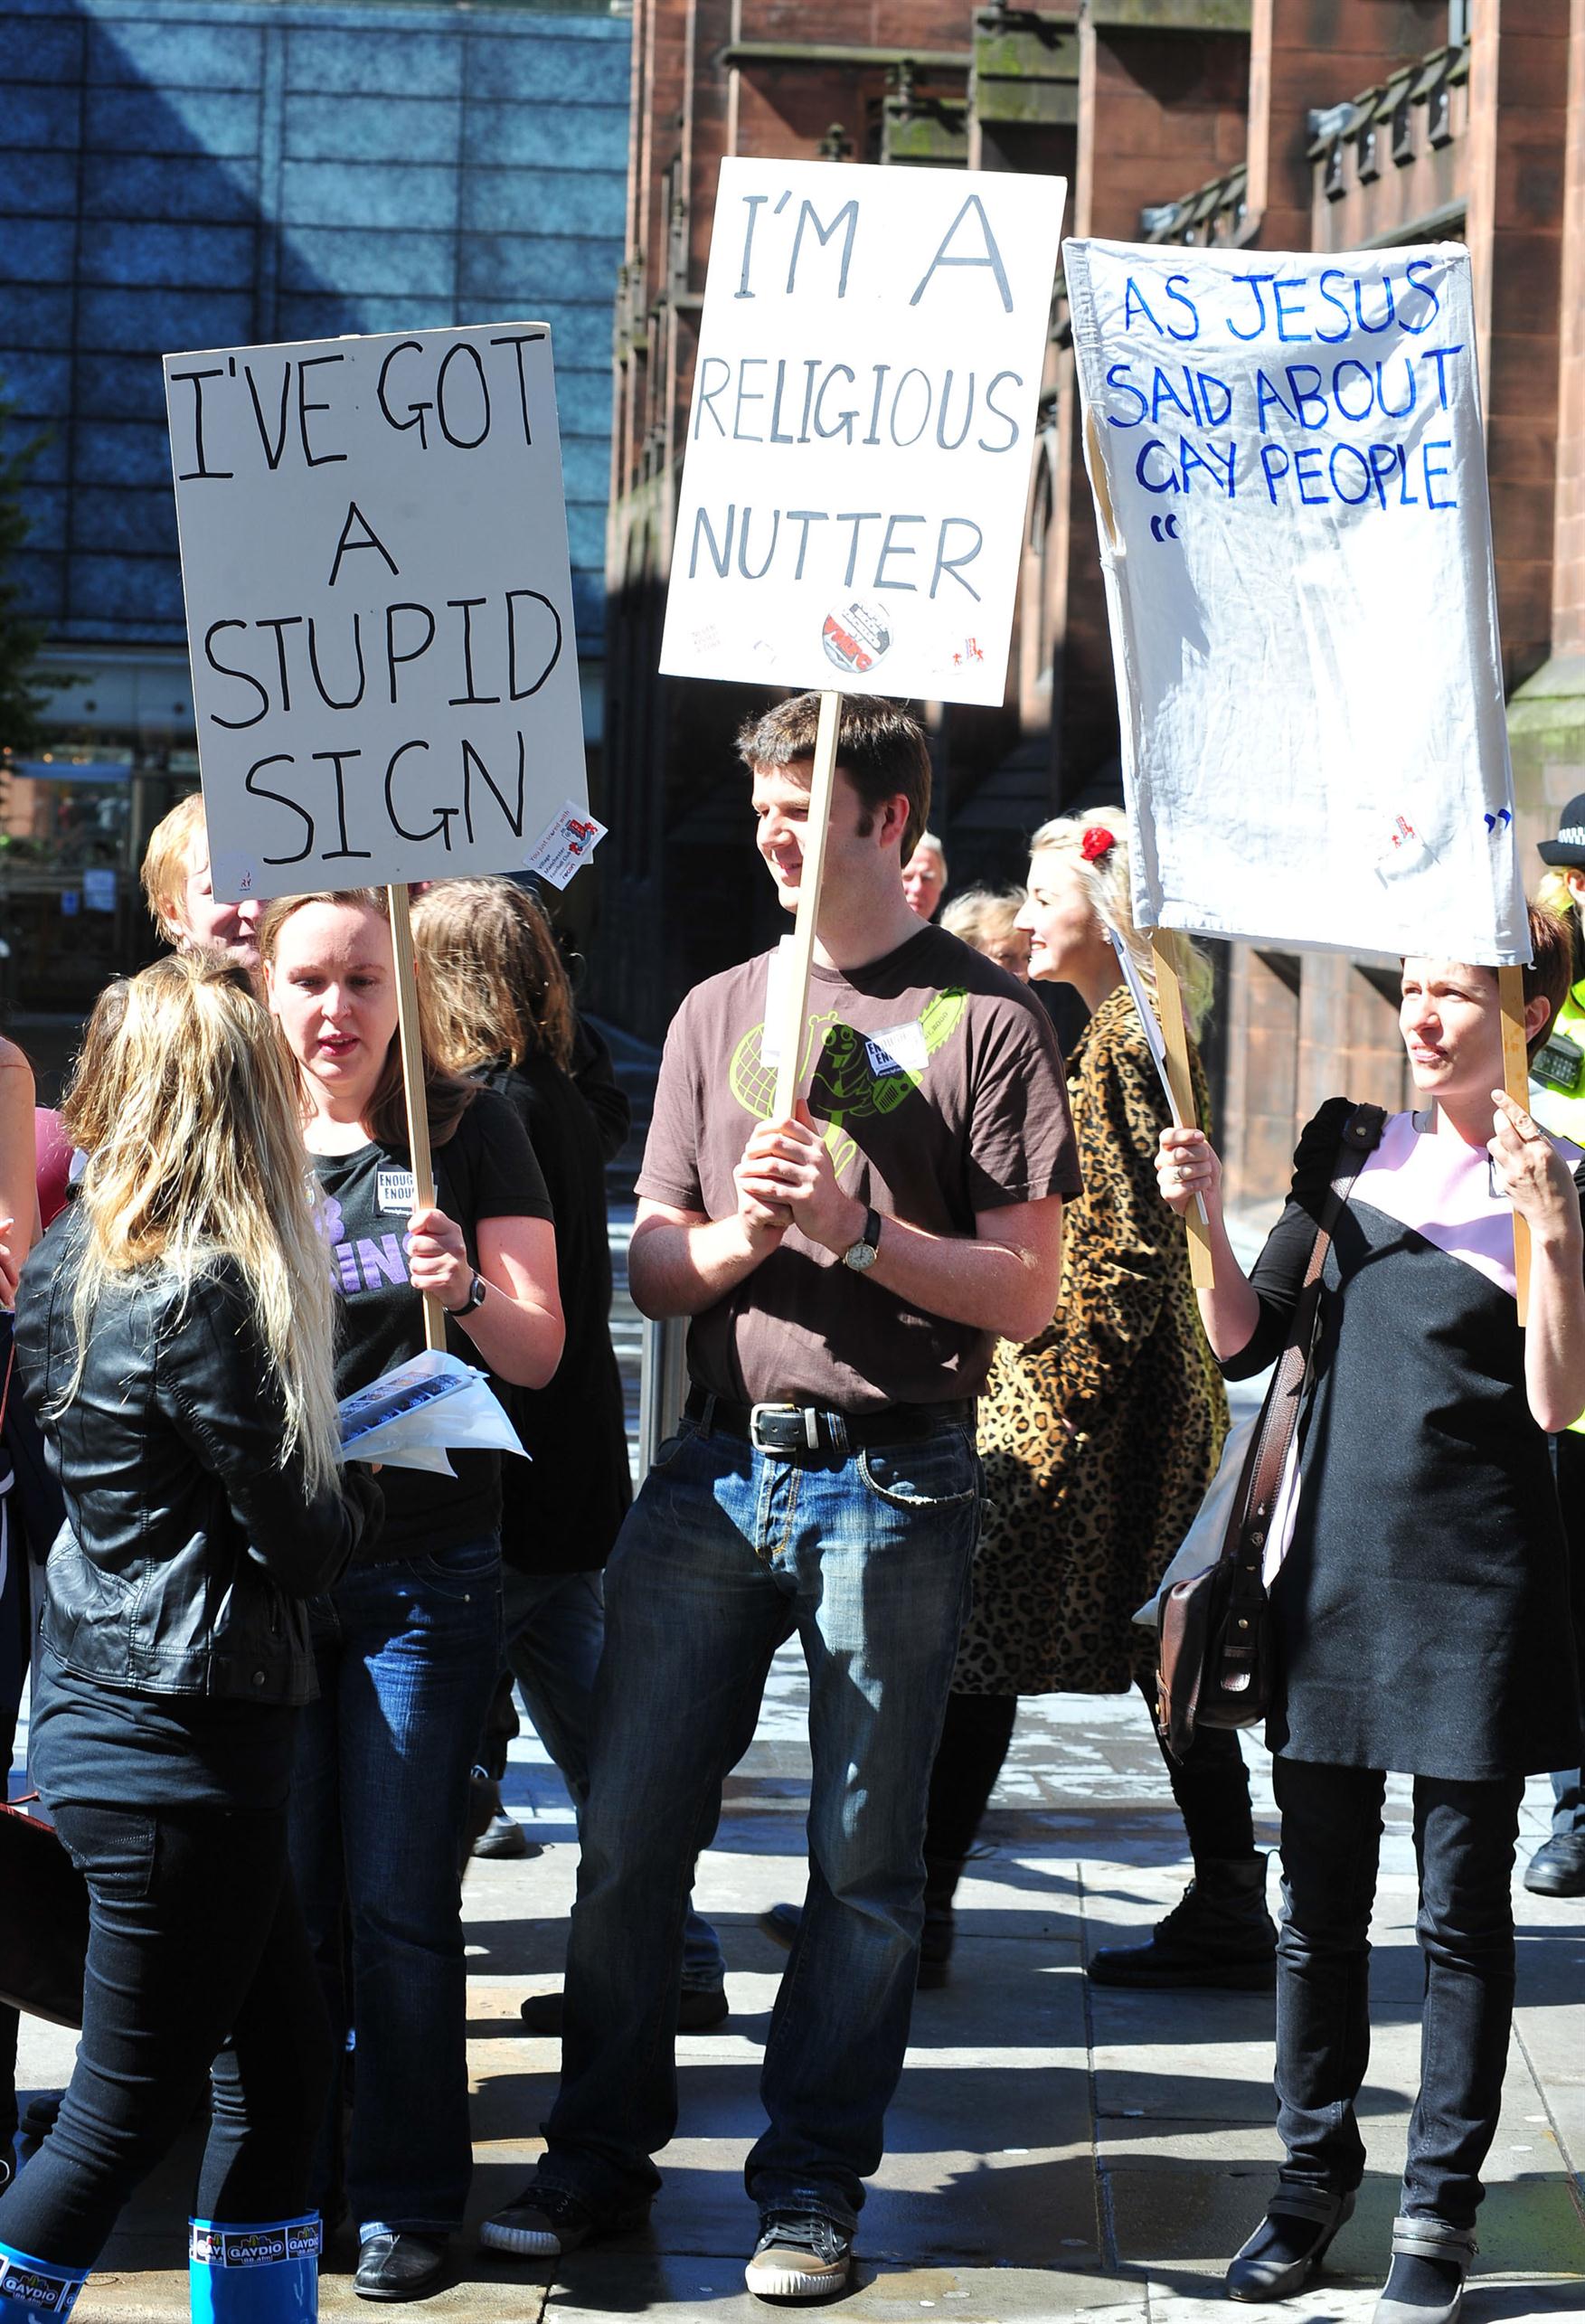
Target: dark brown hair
495,985
447,1095
879,749
1552,971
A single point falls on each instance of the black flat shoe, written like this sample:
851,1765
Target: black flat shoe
399,2266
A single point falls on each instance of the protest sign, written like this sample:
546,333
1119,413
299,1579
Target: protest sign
1288,467
379,605
857,465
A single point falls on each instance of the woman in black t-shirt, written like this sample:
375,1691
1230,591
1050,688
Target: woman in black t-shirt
409,1642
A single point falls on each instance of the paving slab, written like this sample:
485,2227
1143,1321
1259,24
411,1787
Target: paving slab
688,2291
1055,2149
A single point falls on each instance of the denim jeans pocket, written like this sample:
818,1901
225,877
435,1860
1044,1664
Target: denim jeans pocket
666,1450
114,1848
933,1473
462,1571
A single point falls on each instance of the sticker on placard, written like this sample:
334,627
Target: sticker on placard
565,845
1405,850
855,637
233,877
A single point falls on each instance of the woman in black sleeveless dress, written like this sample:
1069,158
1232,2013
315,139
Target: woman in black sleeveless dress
1422,1614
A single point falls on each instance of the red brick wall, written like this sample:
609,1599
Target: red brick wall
1569,543
1518,94
1317,52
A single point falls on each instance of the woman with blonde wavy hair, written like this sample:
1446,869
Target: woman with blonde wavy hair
1099,1438
174,1336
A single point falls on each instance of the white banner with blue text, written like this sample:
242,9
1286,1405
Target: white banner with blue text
1289,473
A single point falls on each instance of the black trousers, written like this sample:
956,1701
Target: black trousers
1464,1840
1211,1783
196,1941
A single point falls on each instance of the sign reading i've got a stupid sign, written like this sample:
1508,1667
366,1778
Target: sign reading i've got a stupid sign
379,605
858,455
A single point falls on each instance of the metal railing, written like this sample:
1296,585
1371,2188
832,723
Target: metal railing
663,1385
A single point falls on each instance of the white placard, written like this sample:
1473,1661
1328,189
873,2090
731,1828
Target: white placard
1291,481
379,605
858,458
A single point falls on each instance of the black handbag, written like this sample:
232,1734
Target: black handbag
1215,1660
43,1919
43,1897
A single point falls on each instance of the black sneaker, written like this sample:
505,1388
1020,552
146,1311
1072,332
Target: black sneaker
800,2255
545,2221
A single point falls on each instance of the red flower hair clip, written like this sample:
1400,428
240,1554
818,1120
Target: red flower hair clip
1098,841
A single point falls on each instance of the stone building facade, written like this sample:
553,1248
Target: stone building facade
192,174
1261,124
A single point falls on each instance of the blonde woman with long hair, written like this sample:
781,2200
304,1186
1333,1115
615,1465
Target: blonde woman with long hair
1099,1438
173,1334
409,1648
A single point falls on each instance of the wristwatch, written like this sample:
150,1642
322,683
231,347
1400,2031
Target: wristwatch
476,1299
861,1255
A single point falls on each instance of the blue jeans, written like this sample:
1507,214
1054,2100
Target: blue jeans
725,1553
408,1654
555,1630
1464,1839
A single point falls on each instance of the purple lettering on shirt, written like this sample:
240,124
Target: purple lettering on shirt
382,1261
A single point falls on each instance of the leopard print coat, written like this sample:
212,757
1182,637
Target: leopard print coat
1099,1436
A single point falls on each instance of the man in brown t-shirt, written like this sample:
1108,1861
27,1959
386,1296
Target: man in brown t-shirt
847,1273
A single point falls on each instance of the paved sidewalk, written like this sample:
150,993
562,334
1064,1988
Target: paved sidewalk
1056,2152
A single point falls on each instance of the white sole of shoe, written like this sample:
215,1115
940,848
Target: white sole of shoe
527,2243
790,2282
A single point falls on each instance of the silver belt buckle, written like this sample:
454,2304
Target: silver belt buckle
782,1430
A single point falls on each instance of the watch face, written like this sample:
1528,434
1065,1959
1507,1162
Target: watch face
860,1256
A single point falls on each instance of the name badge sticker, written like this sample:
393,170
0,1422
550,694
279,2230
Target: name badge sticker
395,1194
900,1049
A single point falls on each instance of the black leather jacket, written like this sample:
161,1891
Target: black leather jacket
187,1551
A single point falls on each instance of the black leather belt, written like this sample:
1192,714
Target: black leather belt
789,1430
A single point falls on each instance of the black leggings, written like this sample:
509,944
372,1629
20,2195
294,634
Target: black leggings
1211,1784
195,1935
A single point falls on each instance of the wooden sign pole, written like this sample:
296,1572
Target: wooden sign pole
412,1082
794,988
1174,1032
1516,1081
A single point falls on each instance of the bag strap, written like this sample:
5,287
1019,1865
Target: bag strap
1245,1539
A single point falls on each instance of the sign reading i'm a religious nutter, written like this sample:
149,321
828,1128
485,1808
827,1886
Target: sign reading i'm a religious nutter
857,465
1289,474
379,606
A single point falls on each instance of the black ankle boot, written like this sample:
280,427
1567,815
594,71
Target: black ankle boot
1219,1934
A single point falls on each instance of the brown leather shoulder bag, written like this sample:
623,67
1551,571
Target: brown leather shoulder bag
1214,1657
